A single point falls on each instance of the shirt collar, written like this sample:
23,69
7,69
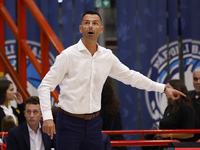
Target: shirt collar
5,108
81,46
29,129
195,95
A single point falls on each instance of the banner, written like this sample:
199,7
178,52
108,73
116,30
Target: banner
190,22
177,36
67,23
126,34
152,38
80,6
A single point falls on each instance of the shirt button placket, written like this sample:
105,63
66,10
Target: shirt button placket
91,84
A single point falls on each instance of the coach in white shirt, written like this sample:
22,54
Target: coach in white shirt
81,71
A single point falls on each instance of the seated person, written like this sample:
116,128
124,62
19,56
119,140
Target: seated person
29,135
179,114
7,123
7,93
195,98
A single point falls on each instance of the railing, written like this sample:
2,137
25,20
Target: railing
144,142
2,145
46,35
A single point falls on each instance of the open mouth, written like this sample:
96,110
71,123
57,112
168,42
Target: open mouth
90,32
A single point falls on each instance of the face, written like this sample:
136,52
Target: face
196,81
91,27
10,93
32,114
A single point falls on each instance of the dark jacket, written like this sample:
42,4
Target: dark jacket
196,106
18,138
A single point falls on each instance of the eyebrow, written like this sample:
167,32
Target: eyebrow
91,20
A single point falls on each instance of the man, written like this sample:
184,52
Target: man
29,135
81,71
195,97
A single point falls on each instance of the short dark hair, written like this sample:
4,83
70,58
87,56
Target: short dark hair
91,12
4,85
32,100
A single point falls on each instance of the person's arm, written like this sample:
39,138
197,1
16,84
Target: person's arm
19,111
175,136
122,73
18,98
48,84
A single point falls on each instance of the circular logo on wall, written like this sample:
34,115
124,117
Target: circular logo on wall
32,75
156,102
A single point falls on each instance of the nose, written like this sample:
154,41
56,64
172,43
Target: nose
198,81
90,25
32,114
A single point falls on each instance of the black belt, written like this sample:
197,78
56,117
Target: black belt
84,116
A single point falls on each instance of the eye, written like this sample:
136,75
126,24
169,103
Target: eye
35,112
28,111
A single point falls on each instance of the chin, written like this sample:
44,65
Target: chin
197,90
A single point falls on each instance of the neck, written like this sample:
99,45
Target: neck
6,103
34,128
91,46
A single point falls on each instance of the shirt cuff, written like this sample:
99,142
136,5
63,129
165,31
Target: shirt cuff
160,87
47,115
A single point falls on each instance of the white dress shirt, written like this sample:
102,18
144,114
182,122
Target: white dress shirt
36,142
81,77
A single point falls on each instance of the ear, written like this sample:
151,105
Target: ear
80,28
40,112
102,28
